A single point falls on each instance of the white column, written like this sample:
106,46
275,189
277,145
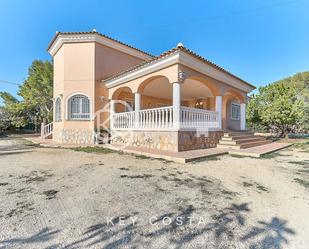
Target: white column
137,107
137,101
243,116
111,112
219,110
176,104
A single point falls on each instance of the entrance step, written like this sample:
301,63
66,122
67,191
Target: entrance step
261,150
232,138
238,133
243,145
240,140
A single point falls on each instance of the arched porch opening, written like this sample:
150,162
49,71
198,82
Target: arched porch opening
124,99
198,93
156,92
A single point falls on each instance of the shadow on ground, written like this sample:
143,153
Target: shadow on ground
225,229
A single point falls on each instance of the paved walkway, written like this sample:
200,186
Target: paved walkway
261,150
181,157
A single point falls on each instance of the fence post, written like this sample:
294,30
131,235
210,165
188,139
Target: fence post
42,130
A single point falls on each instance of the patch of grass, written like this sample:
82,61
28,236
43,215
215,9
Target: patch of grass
261,188
163,160
304,151
303,171
305,162
144,176
205,159
271,155
303,145
247,184
36,179
161,169
123,168
302,182
50,194
12,191
36,176
141,157
21,207
226,192
95,149
241,156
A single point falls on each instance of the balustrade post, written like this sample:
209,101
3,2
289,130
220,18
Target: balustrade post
176,105
112,112
42,130
219,110
137,108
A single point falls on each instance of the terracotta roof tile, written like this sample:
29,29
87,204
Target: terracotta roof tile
167,53
94,32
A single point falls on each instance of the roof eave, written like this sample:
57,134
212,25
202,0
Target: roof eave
71,37
181,57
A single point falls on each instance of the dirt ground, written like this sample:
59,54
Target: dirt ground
60,198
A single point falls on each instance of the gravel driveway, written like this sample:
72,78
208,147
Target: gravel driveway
60,198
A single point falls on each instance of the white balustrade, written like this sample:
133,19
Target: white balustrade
162,119
148,119
198,118
46,130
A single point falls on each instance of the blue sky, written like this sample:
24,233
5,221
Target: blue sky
258,40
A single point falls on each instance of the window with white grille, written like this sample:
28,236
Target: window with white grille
79,107
235,111
58,110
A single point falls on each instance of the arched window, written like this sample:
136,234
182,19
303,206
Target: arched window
58,110
79,107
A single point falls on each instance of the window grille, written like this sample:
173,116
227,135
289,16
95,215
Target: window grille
235,111
79,107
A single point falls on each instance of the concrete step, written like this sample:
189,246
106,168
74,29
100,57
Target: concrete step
234,138
242,140
239,134
253,144
243,145
261,150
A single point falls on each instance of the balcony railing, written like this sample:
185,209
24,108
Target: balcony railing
162,119
198,118
46,130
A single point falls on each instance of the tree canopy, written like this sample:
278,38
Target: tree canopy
36,97
282,106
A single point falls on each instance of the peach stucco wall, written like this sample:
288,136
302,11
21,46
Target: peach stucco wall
74,73
108,62
79,68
